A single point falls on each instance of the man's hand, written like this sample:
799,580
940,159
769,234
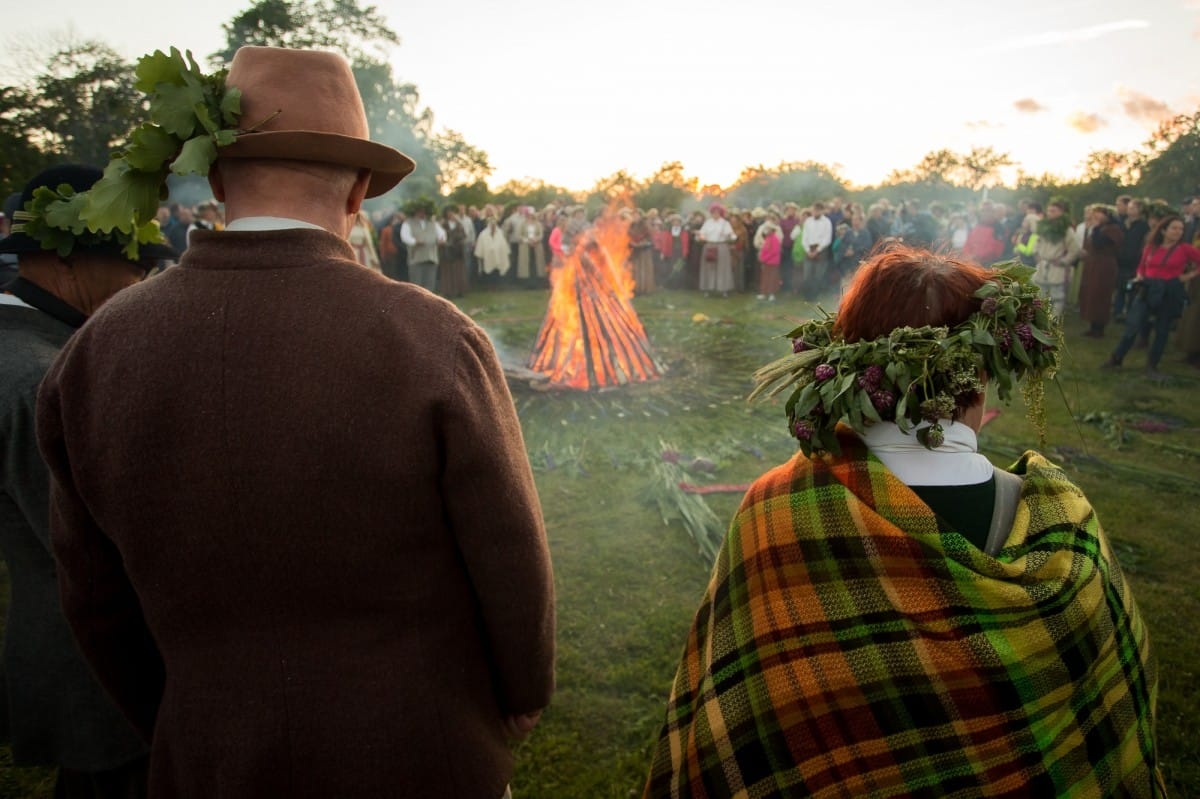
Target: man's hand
519,727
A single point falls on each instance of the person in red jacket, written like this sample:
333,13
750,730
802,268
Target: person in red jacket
673,243
985,245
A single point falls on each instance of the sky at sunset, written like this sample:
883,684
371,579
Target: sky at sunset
572,91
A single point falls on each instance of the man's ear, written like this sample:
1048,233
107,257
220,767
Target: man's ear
358,192
216,182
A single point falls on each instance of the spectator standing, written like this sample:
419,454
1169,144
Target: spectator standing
769,241
817,236
1100,251
356,598
717,237
492,251
452,264
1055,254
422,235
57,712
1130,254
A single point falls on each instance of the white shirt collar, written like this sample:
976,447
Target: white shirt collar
8,299
956,462
260,223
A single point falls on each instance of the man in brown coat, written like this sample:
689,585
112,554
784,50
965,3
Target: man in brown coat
298,535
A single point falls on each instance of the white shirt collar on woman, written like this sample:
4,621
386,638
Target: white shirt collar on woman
956,462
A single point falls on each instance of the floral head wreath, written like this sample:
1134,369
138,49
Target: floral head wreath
914,375
191,115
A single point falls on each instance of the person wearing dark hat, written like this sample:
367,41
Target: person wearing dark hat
59,715
298,535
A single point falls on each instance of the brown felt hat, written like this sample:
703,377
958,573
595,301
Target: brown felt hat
312,112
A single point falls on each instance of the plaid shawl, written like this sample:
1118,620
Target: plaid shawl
847,648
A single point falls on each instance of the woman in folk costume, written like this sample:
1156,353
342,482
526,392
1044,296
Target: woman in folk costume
768,242
1100,248
452,262
531,259
641,254
362,239
492,250
738,249
672,246
1055,253
693,260
890,615
716,260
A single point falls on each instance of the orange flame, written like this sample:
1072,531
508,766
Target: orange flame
592,336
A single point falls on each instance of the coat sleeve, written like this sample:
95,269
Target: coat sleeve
493,511
23,474
97,598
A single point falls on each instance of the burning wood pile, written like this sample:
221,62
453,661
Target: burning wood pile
592,337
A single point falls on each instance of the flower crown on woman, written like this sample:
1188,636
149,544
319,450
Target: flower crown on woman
918,376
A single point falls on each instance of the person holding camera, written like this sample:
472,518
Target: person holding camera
1158,290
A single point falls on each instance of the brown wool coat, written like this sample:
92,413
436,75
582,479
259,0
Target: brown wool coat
1099,278
298,535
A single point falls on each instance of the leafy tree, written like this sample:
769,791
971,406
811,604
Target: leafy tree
1110,167
19,158
802,182
937,169
1170,167
394,112
356,32
620,186
461,163
667,188
80,107
537,193
475,194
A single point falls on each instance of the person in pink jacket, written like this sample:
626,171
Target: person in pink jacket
770,252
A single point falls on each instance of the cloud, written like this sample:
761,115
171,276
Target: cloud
1028,105
1085,122
1142,107
982,124
1050,38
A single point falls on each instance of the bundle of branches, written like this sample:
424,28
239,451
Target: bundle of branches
675,504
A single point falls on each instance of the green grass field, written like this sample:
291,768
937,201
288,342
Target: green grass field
628,583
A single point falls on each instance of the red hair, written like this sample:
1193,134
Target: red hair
903,286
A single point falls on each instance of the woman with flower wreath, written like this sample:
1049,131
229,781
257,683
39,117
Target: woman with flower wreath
1055,253
890,615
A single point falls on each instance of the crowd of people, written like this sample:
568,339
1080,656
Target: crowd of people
1096,266
247,561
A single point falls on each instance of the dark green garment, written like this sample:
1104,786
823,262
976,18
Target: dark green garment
57,712
966,510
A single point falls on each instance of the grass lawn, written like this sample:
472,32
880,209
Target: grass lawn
628,583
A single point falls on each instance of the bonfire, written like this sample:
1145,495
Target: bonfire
592,337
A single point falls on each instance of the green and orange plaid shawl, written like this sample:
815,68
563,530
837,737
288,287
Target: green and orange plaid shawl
846,648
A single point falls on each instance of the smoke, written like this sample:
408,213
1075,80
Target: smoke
1028,105
1142,107
505,354
1085,122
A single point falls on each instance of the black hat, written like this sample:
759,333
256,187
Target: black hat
80,178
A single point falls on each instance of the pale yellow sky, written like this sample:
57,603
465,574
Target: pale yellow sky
572,91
